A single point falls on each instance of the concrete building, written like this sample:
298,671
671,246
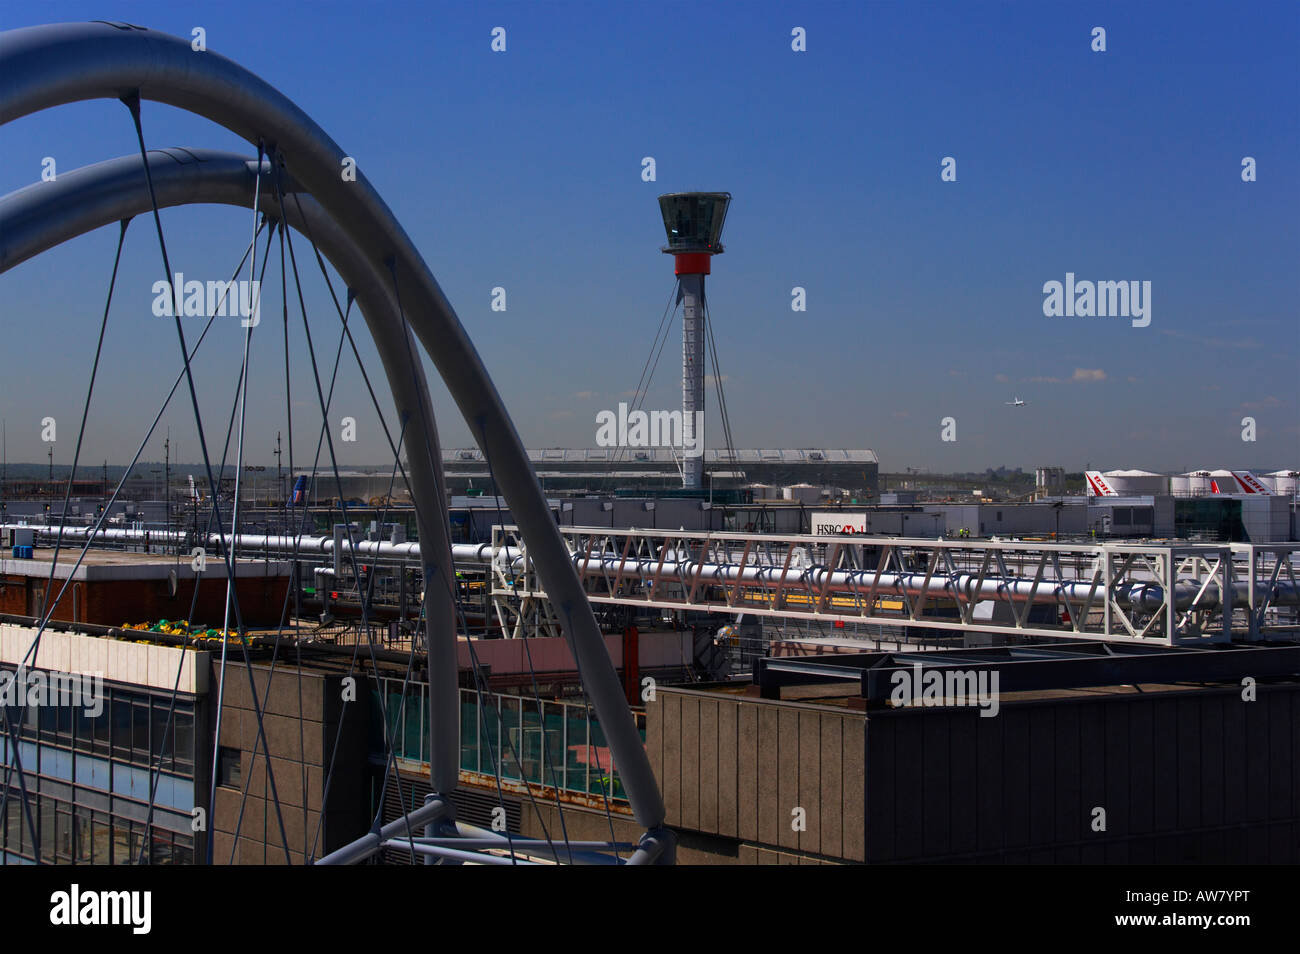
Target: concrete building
1162,772
131,726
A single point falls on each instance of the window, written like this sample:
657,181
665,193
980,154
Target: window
63,712
85,843
85,729
183,729
122,727
228,773
140,732
164,736
63,845
49,721
122,842
15,824
103,730
168,848
101,838
44,812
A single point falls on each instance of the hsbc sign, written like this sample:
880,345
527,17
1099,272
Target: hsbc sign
835,524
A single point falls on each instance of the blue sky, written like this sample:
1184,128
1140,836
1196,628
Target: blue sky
522,170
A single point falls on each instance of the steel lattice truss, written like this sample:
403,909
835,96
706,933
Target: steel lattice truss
1154,593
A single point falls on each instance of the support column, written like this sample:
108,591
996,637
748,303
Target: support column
693,332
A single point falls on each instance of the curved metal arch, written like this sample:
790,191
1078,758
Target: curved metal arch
46,214
51,65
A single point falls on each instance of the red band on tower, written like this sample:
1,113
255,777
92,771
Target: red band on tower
692,263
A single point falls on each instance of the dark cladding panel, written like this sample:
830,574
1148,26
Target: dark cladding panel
1283,843
1295,762
1015,789
1142,789
937,783
1119,772
1043,806
1071,819
962,806
1188,740
1257,752
990,779
881,787
1092,772
1235,782
1281,728
909,775
1212,763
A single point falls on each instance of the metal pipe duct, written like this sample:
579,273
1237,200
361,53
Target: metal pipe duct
968,587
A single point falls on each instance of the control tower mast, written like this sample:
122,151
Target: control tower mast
693,223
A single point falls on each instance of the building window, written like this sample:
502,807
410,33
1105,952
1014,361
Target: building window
228,773
121,728
184,747
140,732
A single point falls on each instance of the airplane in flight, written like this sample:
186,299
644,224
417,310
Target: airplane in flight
1016,403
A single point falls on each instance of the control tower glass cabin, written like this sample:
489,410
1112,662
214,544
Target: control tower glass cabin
693,221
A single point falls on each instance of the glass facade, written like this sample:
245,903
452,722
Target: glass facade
693,220
88,778
552,744
1209,519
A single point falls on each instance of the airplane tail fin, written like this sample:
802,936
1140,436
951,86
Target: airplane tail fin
1097,485
1250,484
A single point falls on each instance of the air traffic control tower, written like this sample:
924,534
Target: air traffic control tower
693,222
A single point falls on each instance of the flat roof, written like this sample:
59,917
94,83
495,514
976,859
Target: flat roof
104,565
1052,669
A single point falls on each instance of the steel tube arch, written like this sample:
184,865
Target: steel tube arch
46,214
52,65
